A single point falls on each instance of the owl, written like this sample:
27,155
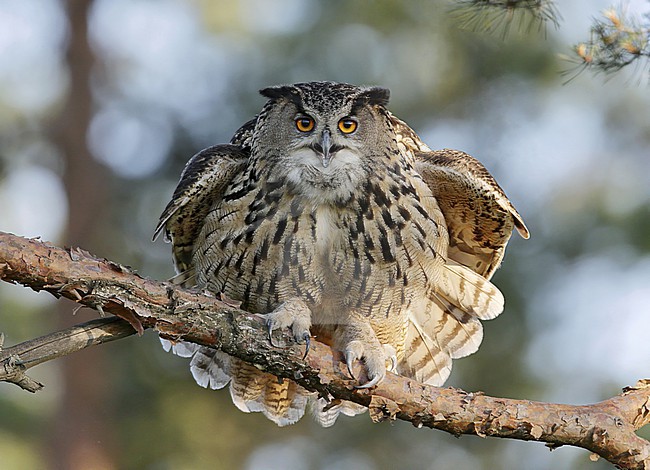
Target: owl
328,215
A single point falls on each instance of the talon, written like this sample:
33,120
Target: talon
393,363
348,361
269,327
375,380
307,339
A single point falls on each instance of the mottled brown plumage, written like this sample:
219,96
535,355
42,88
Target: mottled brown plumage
331,216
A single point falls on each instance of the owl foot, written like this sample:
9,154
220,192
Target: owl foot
294,314
358,341
373,358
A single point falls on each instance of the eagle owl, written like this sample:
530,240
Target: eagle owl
328,214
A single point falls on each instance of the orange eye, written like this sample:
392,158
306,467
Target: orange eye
347,125
304,124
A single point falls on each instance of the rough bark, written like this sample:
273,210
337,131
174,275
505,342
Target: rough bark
606,428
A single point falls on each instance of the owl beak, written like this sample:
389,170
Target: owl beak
325,146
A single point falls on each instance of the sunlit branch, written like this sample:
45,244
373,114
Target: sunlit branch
606,428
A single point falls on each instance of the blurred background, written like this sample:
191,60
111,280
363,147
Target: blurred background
101,104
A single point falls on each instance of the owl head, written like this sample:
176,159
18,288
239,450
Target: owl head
322,138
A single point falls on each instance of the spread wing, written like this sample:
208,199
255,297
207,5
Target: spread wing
480,220
203,181
479,216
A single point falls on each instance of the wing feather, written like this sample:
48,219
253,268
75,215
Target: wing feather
479,216
480,220
470,292
202,183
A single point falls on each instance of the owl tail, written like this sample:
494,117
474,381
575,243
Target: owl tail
326,414
447,325
282,401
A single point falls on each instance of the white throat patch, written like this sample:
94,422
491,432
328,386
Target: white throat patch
323,185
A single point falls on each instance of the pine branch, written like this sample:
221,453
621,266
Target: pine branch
492,16
606,428
617,40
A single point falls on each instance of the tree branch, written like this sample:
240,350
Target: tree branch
606,428
17,359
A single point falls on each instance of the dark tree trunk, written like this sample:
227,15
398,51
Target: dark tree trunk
81,436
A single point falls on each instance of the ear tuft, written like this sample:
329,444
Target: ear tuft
373,96
377,95
289,92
